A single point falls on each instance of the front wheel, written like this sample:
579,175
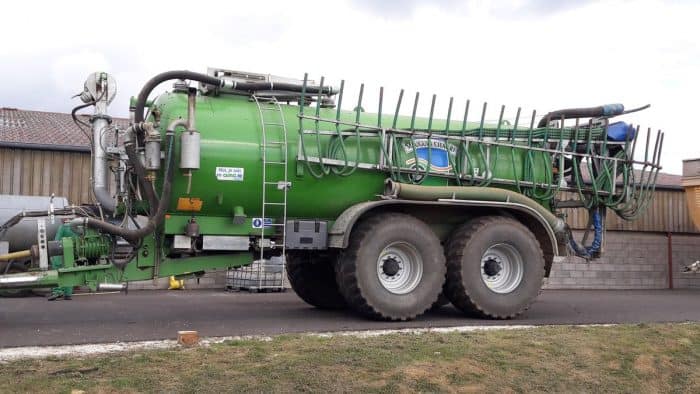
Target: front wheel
495,267
393,269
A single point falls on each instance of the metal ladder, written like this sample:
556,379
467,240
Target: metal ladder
275,145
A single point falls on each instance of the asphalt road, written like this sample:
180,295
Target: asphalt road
146,315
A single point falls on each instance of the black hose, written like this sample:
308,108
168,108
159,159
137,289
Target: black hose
592,112
287,87
146,186
166,76
135,236
208,79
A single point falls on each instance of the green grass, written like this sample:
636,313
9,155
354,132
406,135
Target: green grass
631,358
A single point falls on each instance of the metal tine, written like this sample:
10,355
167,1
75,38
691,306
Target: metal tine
413,129
464,145
481,123
646,150
498,131
515,125
430,118
302,146
560,148
575,169
453,162
500,120
398,108
449,116
430,136
529,144
655,156
357,128
393,126
657,151
337,130
324,169
379,111
512,150
485,156
634,142
415,108
384,152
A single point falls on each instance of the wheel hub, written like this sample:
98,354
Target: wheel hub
399,268
502,268
391,266
492,267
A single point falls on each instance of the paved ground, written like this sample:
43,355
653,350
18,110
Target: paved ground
144,315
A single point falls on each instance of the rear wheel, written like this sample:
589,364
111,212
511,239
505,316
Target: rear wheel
312,276
495,267
393,269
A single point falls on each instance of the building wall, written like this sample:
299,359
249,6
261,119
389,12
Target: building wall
40,173
632,260
667,211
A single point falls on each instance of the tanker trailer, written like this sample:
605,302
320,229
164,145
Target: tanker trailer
385,213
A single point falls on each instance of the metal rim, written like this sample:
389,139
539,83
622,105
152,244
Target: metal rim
399,267
502,268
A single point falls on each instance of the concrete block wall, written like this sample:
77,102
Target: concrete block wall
632,260
686,250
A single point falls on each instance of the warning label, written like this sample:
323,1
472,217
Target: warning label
229,174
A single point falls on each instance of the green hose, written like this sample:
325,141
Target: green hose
493,194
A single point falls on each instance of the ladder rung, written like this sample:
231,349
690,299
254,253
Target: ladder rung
275,224
273,124
275,162
269,109
274,203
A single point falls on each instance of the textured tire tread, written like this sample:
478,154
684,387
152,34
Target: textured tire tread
346,270
311,284
456,291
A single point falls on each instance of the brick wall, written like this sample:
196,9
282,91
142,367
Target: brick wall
632,260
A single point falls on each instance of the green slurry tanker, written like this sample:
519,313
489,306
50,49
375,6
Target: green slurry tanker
384,212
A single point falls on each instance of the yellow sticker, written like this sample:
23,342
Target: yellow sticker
189,204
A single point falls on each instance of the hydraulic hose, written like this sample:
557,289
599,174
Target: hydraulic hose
208,79
479,193
592,112
133,236
287,87
166,76
588,251
16,255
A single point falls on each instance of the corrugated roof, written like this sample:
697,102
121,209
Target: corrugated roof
44,128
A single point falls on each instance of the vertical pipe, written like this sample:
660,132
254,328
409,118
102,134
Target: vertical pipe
670,260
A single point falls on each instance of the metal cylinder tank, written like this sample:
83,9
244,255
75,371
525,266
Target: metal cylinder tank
231,147
24,234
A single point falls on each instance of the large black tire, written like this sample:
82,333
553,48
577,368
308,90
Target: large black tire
312,276
484,246
388,245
